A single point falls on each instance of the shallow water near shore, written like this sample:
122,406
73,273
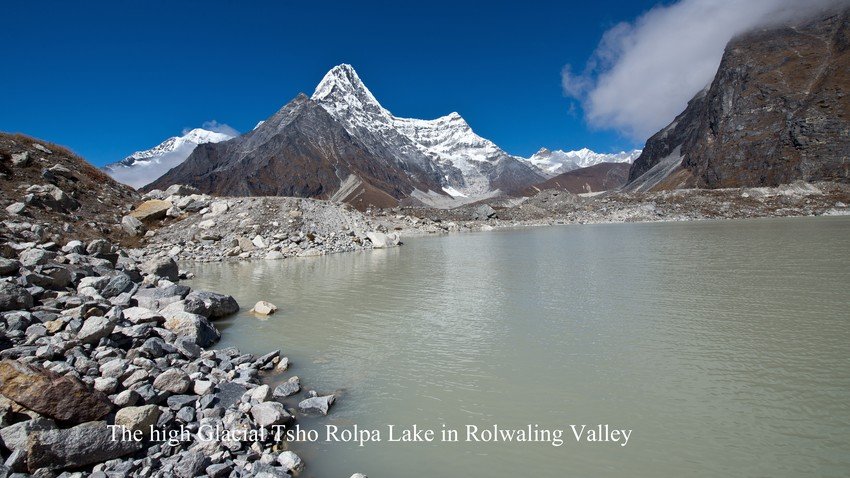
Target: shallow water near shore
723,345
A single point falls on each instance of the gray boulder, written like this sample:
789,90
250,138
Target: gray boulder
132,226
138,418
75,447
8,266
15,436
270,413
211,304
288,388
13,297
162,267
180,190
194,326
316,405
94,329
173,380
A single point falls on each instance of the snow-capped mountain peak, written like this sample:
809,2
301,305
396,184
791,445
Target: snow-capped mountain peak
142,167
556,162
463,161
343,84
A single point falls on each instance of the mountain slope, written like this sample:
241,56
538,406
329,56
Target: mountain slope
553,163
777,111
599,177
57,192
142,167
299,151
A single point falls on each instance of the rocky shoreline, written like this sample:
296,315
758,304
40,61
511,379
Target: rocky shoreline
206,229
93,338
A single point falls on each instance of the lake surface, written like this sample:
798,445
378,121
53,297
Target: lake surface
724,346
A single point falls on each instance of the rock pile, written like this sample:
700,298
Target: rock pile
185,225
91,339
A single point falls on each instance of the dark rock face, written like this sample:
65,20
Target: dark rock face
777,111
63,398
300,151
599,177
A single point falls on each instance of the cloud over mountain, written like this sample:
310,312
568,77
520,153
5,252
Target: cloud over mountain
643,73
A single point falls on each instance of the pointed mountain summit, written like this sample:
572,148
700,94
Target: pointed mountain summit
341,144
468,165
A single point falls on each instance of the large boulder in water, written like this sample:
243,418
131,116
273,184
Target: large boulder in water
48,393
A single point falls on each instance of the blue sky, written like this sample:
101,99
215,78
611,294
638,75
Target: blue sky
108,78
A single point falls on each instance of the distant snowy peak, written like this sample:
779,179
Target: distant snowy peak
142,167
556,162
192,138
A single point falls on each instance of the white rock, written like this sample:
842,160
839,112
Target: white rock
290,461
264,308
218,207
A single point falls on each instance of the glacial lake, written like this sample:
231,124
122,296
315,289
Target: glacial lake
723,345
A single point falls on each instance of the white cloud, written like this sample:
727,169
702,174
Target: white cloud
643,73
216,127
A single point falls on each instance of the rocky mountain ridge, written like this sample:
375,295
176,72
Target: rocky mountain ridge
777,111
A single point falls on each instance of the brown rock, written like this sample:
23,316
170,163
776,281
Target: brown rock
151,210
63,398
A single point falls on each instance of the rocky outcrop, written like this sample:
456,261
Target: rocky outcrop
777,111
66,196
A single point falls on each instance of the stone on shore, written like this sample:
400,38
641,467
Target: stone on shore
290,462
264,308
210,304
94,329
316,405
76,447
270,413
13,297
194,326
63,398
173,380
15,436
138,418
288,388
162,267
